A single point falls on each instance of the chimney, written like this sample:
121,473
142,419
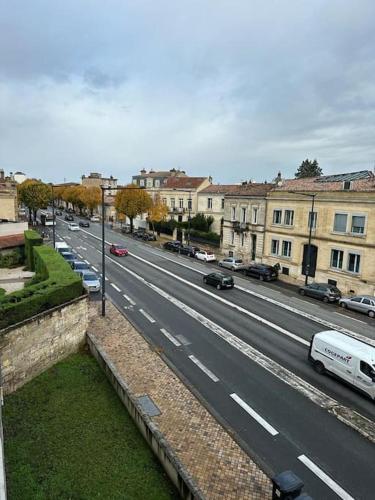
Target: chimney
143,171
1,174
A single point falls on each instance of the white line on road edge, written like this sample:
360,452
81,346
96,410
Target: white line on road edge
254,414
93,267
87,262
316,319
204,368
353,419
115,287
131,301
326,479
147,316
170,337
353,319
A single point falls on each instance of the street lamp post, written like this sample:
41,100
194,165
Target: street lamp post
189,209
53,217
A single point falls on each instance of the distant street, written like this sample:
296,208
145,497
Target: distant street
244,352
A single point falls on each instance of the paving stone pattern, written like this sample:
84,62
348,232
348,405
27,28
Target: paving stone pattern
219,467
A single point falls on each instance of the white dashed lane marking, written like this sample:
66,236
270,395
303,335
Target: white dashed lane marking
131,301
147,316
204,368
255,415
115,287
94,268
170,337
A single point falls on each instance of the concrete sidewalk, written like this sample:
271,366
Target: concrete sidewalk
217,465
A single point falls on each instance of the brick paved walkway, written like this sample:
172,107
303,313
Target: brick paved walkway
219,467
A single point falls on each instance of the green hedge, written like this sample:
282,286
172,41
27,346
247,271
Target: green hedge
12,258
32,238
210,236
58,284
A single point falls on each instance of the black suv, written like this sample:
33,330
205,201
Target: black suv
322,291
69,218
220,280
189,250
263,272
173,245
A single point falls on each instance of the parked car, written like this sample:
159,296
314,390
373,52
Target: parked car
361,303
118,250
84,224
126,229
61,246
206,256
149,237
73,227
78,266
90,281
58,212
220,280
94,218
189,250
322,291
263,272
69,256
232,263
172,245
69,217
138,233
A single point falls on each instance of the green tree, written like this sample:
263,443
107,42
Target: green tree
132,201
308,169
200,222
34,195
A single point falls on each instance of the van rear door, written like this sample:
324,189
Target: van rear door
365,378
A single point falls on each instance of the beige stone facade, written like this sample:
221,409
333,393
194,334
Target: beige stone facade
8,201
211,202
96,180
244,221
342,231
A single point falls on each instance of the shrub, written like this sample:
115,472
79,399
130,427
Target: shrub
12,258
210,236
58,284
32,238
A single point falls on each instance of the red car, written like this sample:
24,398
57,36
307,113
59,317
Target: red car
118,250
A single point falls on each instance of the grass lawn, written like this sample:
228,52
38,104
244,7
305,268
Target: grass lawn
67,436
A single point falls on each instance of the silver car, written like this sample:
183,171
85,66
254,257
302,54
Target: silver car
361,303
232,264
90,281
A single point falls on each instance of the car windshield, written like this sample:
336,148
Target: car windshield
209,253
90,277
119,247
238,261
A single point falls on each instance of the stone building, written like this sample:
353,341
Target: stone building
95,179
244,221
340,211
155,179
8,199
211,203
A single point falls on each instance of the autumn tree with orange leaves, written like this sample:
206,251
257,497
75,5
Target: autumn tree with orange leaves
132,201
157,212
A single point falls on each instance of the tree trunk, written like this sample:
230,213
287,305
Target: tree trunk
131,225
30,219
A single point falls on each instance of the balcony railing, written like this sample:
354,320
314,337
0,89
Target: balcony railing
240,227
177,210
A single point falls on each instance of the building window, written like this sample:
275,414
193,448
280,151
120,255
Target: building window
337,257
274,247
233,213
173,203
286,248
232,238
243,214
157,183
312,220
358,224
255,215
189,204
222,203
339,225
354,261
209,203
242,239
149,183
277,216
181,202
289,217
142,182
164,200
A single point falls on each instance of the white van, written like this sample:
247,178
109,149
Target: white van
61,246
345,357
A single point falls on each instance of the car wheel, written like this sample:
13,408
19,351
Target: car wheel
325,300
233,268
371,314
319,367
261,277
204,280
302,292
343,305
205,260
218,286
220,264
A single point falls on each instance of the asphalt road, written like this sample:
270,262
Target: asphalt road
246,358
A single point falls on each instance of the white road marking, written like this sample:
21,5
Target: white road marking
254,414
170,337
204,368
79,255
346,415
115,287
84,236
353,319
131,301
87,262
183,340
93,267
68,237
147,316
106,279
340,492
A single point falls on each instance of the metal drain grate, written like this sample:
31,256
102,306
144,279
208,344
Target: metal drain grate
148,406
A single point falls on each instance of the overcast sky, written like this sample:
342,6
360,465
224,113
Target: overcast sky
236,89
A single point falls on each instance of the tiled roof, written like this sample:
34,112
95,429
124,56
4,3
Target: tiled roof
220,189
328,183
184,182
14,240
251,189
162,173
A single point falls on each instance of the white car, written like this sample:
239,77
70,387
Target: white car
206,256
95,218
232,264
73,227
